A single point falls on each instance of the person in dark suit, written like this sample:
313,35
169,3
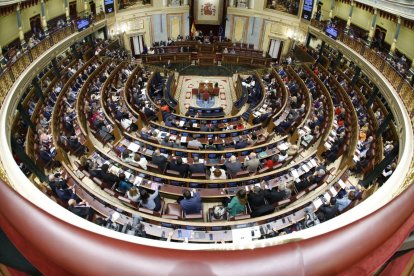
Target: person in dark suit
256,198
159,160
204,128
241,144
166,142
81,209
178,166
274,195
45,155
106,176
329,210
149,113
197,167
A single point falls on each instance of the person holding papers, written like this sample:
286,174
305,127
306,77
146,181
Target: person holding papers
151,202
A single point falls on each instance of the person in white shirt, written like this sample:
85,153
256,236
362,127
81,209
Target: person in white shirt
140,160
195,143
282,156
126,122
133,194
216,173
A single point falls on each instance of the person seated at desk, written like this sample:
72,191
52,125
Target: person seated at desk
256,198
46,155
216,173
159,160
210,145
233,165
191,204
282,156
177,144
252,162
123,184
64,193
225,51
344,202
269,162
195,143
151,202
166,142
330,210
276,194
204,128
177,165
241,144
197,167
81,209
237,204
241,125
149,112
232,51
75,145
104,175
134,194
140,160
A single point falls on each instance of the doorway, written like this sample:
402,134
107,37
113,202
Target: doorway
137,45
93,7
35,25
379,38
73,14
275,48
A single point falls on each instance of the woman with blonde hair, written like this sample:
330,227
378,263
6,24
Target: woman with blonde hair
133,194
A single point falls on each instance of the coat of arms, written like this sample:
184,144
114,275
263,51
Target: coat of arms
208,9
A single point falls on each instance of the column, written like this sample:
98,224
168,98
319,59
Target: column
348,23
337,60
55,68
231,3
67,11
165,3
85,7
43,17
410,74
322,46
394,42
371,98
332,8
251,4
185,2
37,88
20,27
355,78
2,63
372,28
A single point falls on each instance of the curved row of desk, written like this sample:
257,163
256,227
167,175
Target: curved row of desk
109,241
